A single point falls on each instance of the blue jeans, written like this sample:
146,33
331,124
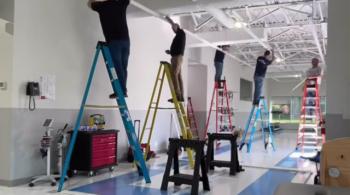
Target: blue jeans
120,50
218,70
258,82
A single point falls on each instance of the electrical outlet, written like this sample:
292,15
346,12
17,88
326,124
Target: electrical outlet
3,85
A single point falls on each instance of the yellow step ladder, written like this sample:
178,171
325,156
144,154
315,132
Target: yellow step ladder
165,71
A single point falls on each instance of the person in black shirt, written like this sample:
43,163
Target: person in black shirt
115,29
219,61
176,51
260,71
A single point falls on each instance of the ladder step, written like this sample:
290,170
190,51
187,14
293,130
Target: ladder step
312,147
311,107
308,116
309,136
308,126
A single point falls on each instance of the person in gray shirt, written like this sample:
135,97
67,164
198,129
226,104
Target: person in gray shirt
315,70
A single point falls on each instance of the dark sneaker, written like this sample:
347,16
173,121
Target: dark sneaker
181,99
113,96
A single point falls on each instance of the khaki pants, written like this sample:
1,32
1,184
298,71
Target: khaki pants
176,62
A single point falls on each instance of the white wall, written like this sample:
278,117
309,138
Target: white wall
338,71
59,38
6,54
198,90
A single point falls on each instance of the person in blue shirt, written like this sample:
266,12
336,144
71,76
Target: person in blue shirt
260,71
219,61
115,29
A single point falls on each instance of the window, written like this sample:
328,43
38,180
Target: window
286,109
246,90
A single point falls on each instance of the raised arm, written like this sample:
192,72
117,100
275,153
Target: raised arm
169,20
90,3
273,55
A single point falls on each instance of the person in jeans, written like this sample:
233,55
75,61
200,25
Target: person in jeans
314,71
219,61
115,29
176,51
260,71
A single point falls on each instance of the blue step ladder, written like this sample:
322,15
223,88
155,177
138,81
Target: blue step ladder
258,113
124,112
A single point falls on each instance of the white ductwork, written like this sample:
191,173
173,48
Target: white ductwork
227,21
220,16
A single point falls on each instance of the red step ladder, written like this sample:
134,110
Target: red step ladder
309,131
222,109
192,119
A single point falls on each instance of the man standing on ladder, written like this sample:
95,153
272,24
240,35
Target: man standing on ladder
176,51
115,29
314,71
260,71
219,62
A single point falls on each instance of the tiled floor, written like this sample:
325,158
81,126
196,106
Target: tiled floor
259,180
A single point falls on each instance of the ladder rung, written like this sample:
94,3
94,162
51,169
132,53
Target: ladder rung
308,125
306,115
312,147
309,142
309,135
313,107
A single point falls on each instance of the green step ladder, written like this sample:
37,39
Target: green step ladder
124,112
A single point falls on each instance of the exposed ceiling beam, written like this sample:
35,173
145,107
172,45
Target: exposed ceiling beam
251,33
279,34
263,16
205,22
297,11
272,5
317,42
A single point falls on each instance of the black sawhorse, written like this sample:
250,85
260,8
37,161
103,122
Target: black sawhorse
178,178
233,164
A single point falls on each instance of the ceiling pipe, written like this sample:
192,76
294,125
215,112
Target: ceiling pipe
158,15
194,19
220,16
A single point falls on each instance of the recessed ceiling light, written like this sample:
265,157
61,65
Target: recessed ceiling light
238,24
278,60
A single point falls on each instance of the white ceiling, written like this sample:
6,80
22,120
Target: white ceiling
296,29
